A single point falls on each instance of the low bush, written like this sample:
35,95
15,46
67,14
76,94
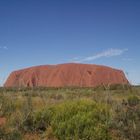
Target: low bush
7,106
126,120
42,119
133,100
85,120
12,135
72,120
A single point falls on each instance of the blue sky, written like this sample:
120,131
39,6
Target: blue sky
38,32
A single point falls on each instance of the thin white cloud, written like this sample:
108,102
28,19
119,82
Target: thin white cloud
108,53
4,47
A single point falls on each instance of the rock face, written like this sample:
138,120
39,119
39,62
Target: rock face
66,75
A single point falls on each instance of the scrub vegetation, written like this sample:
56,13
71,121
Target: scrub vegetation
101,113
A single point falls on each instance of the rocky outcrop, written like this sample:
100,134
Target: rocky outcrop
66,75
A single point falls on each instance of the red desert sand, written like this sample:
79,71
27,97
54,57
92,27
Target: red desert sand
66,75
2,121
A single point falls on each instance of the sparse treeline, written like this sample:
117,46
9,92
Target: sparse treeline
102,113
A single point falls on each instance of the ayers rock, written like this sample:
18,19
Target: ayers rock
66,75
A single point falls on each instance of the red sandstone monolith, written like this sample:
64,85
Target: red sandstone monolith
66,75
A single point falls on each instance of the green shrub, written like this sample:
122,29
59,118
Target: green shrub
7,106
126,120
2,132
27,123
12,135
42,119
133,100
72,120
37,121
77,120
119,87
